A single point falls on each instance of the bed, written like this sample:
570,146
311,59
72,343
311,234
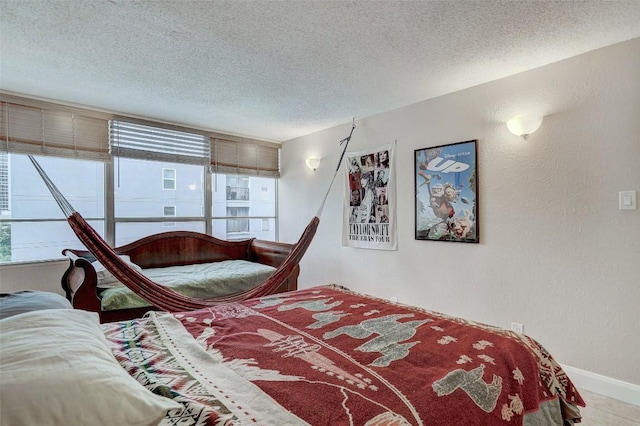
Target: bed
192,263
318,356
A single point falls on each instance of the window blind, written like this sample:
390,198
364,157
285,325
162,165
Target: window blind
245,157
60,132
32,126
146,142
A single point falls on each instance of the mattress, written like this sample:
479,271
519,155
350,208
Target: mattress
201,281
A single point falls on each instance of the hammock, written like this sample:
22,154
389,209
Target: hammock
164,297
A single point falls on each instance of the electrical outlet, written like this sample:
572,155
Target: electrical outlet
393,299
627,200
517,327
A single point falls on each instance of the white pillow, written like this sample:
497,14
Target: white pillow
105,278
57,369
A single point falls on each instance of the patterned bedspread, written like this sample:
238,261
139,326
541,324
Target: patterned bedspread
328,356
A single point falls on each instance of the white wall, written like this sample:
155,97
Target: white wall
555,254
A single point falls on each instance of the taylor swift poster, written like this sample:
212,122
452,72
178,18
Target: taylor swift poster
370,199
447,193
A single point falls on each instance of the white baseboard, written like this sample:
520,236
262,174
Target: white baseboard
603,385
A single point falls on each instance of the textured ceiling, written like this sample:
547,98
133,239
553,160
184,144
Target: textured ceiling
282,69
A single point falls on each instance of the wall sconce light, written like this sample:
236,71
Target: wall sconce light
523,126
312,163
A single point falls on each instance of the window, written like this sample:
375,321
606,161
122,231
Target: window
238,188
141,203
238,225
251,215
149,157
227,186
169,211
75,142
169,179
34,228
264,194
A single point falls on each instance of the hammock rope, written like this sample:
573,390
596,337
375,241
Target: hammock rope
164,297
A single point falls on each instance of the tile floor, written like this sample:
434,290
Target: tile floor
603,411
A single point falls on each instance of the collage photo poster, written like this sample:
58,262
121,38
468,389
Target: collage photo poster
447,193
370,199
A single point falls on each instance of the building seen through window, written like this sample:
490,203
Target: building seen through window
238,188
148,197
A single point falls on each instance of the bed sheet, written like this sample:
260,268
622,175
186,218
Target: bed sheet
200,281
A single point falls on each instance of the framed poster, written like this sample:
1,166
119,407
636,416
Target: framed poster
446,191
369,214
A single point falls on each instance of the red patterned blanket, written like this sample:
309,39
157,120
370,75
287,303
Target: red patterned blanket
328,356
